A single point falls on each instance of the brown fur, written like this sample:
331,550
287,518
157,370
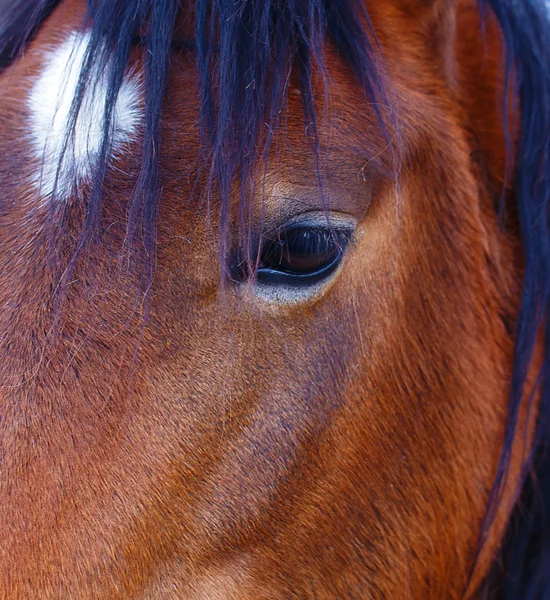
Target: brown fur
339,448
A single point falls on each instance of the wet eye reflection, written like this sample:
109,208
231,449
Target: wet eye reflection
302,250
299,255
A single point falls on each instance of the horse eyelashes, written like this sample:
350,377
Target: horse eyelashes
293,261
302,250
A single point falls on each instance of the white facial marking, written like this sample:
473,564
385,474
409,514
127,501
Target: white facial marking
50,103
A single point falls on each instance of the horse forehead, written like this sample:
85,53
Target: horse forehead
67,161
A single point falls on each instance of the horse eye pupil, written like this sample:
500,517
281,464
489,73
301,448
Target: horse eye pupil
303,251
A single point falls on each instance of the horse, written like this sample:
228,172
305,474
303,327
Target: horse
274,291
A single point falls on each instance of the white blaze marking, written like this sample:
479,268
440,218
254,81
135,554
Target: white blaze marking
50,104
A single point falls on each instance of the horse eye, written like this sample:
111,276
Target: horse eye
302,254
